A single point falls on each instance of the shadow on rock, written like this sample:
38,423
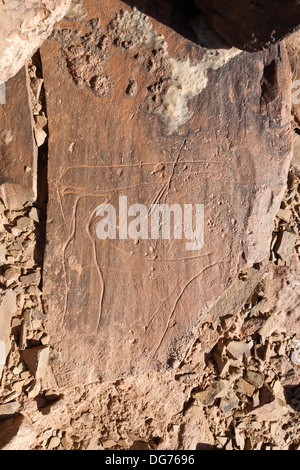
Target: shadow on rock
292,396
176,14
205,447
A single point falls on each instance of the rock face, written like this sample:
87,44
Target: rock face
252,25
293,45
24,27
18,152
283,287
16,434
37,360
296,158
158,120
7,309
155,119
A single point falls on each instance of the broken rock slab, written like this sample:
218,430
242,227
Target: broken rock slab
54,406
255,378
8,410
18,151
16,434
24,27
235,297
15,196
119,307
237,349
285,244
8,307
216,390
293,47
37,359
296,157
282,291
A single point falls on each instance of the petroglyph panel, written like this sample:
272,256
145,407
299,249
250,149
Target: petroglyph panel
201,126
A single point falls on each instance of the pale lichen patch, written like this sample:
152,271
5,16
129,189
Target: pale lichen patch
131,30
187,81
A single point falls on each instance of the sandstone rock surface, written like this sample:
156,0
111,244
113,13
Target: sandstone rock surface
132,113
24,27
293,45
37,360
296,157
16,434
202,126
18,151
283,292
7,309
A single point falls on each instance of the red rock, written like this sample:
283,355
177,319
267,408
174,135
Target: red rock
196,433
17,148
118,308
238,348
235,297
245,387
36,360
285,245
296,157
273,411
16,196
8,410
24,27
16,434
7,309
293,45
282,292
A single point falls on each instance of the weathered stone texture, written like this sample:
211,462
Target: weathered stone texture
7,310
118,308
24,26
283,294
16,434
293,46
18,151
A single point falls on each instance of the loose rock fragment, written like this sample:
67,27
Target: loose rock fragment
269,327
37,360
15,196
295,354
238,348
229,404
53,407
285,245
33,278
244,387
16,434
7,309
34,389
76,10
40,136
9,409
255,378
208,397
53,443
24,223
